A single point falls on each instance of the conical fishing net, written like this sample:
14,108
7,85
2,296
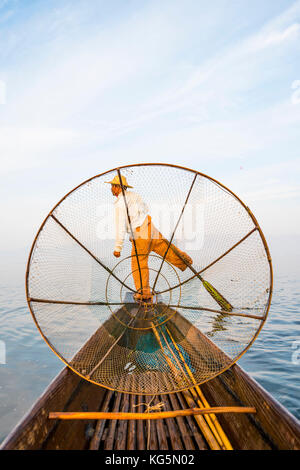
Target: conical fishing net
198,255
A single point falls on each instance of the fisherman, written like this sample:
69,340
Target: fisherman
144,237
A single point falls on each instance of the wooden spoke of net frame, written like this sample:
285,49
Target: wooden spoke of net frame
213,292
70,302
90,253
112,346
131,230
220,312
218,297
212,263
175,228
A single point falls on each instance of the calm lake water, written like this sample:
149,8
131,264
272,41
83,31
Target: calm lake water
273,360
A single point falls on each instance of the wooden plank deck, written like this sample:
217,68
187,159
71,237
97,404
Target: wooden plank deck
181,433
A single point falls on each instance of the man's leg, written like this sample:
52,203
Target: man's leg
140,269
174,256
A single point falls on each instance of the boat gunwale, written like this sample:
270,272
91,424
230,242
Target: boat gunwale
287,419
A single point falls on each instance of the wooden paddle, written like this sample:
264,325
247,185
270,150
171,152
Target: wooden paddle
219,298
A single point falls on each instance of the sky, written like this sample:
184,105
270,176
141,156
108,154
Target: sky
88,86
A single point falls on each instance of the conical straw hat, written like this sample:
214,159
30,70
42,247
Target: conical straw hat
116,180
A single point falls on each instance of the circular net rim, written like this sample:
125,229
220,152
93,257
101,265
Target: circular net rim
219,372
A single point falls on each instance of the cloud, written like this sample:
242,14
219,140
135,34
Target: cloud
7,13
277,37
107,66
150,84
218,87
6,16
23,147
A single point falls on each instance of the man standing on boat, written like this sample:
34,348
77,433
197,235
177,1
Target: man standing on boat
146,237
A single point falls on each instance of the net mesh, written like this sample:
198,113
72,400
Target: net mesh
83,301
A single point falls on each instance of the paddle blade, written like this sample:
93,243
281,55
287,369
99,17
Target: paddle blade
224,304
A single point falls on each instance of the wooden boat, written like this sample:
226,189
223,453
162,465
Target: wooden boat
271,427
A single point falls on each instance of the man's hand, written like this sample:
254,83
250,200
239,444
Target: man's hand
117,254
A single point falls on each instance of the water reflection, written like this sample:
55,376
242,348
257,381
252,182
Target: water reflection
218,324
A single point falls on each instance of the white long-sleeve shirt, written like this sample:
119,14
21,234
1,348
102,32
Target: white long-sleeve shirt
138,211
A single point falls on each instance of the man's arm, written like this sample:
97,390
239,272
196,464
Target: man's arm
120,221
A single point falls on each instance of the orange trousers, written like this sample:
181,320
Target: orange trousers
147,239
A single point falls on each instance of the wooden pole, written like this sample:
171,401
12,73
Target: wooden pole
206,429
69,415
168,360
201,401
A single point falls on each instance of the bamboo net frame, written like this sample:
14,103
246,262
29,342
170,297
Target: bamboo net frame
73,285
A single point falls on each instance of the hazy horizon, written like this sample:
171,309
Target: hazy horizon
88,87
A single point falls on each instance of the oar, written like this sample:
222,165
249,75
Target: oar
219,298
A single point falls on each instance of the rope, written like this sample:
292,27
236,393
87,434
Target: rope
150,408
